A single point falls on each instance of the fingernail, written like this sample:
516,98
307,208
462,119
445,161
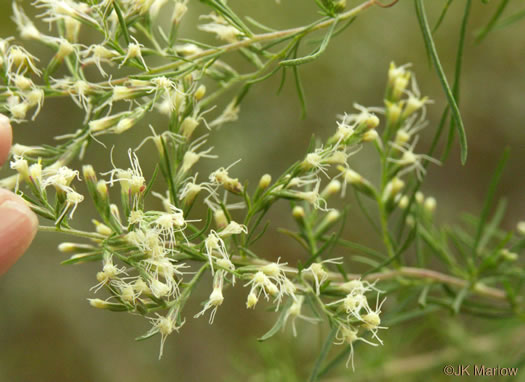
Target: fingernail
6,137
4,121
13,214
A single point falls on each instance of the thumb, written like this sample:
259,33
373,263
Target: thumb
18,226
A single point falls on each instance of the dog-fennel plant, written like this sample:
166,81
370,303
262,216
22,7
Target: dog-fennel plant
152,260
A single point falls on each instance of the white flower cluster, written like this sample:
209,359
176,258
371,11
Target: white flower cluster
56,176
357,315
152,259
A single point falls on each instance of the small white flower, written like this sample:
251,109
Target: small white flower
110,273
222,30
233,228
411,161
60,178
25,26
230,114
20,59
319,274
179,11
214,244
134,51
348,335
191,157
365,116
165,325
313,197
191,189
222,178
294,312
216,298
98,54
131,180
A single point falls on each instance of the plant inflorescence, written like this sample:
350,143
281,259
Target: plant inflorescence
151,260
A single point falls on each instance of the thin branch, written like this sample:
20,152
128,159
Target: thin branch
411,272
74,232
267,37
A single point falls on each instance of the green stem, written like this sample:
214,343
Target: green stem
73,232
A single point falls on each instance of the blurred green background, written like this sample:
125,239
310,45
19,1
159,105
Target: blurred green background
48,331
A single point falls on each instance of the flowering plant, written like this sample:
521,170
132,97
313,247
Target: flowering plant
151,260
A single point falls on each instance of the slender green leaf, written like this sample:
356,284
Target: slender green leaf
83,258
442,15
314,55
400,318
510,20
260,25
492,226
122,22
492,22
322,355
422,300
278,324
359,247
300,90
496,177
456,306
457,74
429,43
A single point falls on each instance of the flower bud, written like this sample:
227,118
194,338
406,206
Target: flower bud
102,228
430,204
72,29
23,83
521,228
298,213
331,217
403,202
35,173
392,189
393,111
67,247
356,180
89,173
188,126
372,121
265,181
402,137
350,176
113,209
508,255
331,188
370,136
98,303
200,92
220,219
124,125
64,49
102,123
413,104
122,93
189,160
252,300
